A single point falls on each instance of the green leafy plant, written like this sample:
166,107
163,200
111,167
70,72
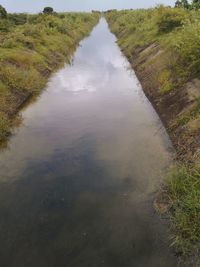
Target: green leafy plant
3,12
182,4
169,19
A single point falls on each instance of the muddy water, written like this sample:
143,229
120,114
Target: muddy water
78,177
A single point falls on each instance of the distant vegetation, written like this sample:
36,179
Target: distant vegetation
31,47
48,10
163,45
3,13
195,4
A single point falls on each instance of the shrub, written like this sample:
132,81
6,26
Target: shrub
195,4
48,10
186,44
18,19
182,3
3,12
4,25
169,19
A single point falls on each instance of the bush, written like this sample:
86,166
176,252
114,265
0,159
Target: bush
4,25
18,19
48,10
3,12
186,43
195,4
169,19
182,3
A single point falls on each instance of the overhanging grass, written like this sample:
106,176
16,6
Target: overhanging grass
183,185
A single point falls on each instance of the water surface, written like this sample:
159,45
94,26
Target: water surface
79,175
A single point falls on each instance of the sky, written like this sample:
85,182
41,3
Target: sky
34,6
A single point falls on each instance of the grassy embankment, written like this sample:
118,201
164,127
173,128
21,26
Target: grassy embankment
163,46
31,48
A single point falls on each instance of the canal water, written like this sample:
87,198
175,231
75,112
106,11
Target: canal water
79,175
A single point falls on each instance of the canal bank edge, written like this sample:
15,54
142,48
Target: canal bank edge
31,50
179,107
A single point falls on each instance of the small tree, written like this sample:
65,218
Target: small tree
196,4
178,3
168,19
182,4
48,10
3,12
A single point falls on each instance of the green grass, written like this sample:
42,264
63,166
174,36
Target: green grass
183,185
31,48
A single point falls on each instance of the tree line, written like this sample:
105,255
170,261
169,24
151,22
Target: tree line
185,4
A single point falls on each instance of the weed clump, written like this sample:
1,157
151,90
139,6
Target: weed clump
184,191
